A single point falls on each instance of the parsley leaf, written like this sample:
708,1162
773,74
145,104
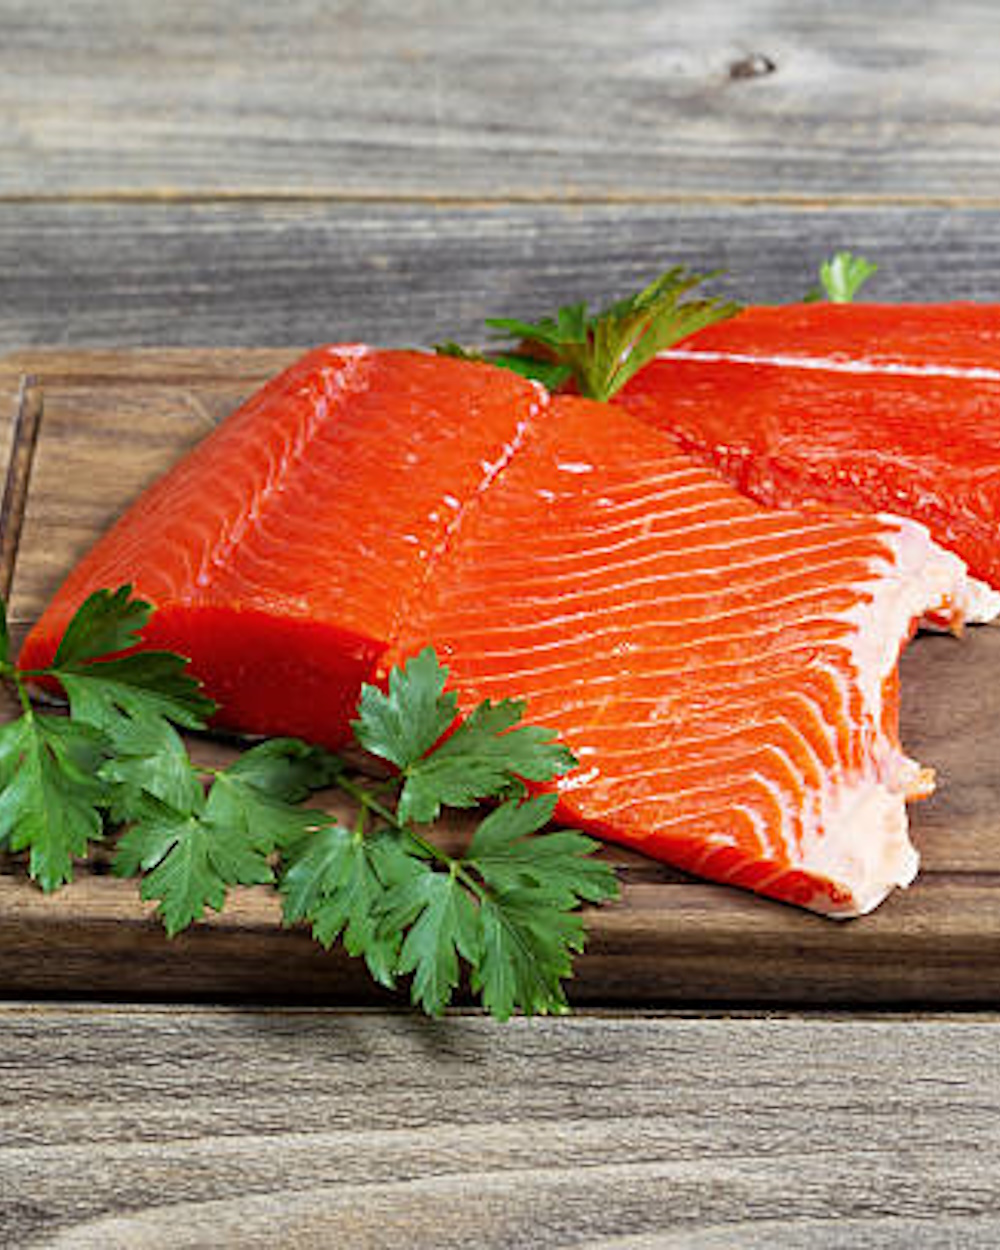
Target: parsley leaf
135,691
190,860
264,820
457,352
551,374
405,723
602,351
107,622
442,920
125,696
193,852
190,864
154,761
841,278
336,880
558,865
286,768
50,799
526,953
480,760
530,922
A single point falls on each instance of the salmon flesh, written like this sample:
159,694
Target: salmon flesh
725,673
863,406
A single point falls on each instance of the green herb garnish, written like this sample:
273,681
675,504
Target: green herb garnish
507,909
601,351
841,278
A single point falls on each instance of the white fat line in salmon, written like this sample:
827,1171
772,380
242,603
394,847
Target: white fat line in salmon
830,364
598,585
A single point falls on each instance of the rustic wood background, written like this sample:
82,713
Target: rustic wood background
255,174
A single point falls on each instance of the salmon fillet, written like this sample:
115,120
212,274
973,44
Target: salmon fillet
279,552
725,673
863,406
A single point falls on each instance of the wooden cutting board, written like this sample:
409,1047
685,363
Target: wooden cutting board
94,428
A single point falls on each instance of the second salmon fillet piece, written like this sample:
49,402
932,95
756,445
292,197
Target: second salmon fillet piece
726,674
881,408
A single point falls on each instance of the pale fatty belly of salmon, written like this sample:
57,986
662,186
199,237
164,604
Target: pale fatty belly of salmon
725,673
884,408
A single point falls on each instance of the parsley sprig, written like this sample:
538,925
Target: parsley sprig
505,913
57,777
601,351
841,278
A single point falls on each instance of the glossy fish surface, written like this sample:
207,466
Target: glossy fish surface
871,407
280,551
725,673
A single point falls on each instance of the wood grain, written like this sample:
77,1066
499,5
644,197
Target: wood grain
114,421
253,1128
233,274
184,175
451,99
24,431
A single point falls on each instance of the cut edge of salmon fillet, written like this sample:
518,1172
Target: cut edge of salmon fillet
857,850
870,846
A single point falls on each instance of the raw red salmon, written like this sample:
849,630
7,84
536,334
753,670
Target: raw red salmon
725,673
880,408
963,337
281,551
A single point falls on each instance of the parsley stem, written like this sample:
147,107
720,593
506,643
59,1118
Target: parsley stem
22,692
370,803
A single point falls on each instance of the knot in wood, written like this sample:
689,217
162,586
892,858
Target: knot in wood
754,65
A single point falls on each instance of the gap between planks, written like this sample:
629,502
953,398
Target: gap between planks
456,199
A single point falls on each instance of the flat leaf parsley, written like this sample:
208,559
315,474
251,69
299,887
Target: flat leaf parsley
599,352
841,278
504,915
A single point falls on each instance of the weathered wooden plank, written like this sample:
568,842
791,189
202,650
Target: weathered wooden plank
498,101
202,1128
666,941
12,400
286,274
212,370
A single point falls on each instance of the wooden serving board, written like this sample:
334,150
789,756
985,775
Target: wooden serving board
94,428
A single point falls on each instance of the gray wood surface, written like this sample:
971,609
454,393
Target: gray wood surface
250,1127
248,275
250,173
446,98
